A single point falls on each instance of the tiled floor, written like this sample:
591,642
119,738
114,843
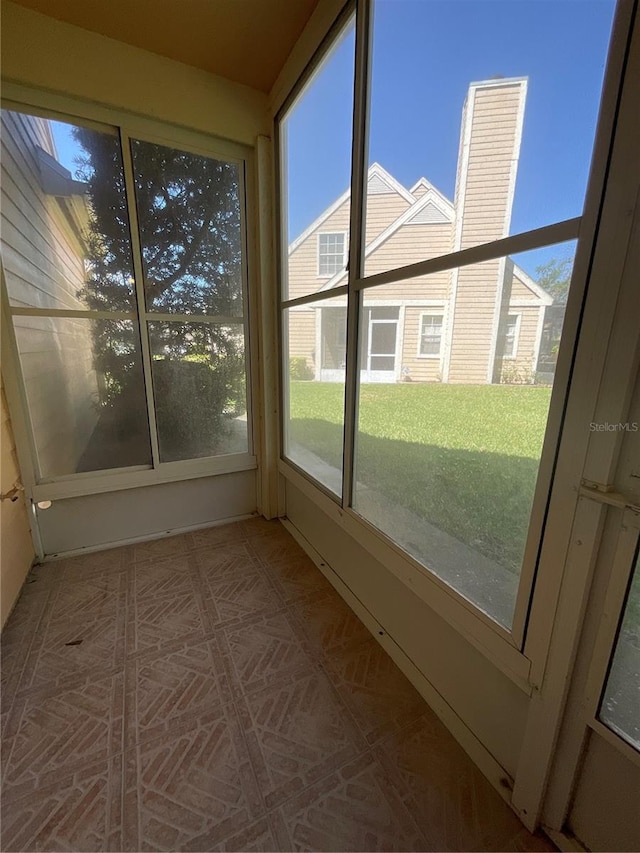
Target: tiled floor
212,692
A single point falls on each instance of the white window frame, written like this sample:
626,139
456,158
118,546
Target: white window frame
516,335
505,647
345,239
432,356
19,98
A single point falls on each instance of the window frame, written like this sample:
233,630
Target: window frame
345,243
432,356
516,335
505,647
24,99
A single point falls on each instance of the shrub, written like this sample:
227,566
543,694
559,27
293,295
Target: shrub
299,369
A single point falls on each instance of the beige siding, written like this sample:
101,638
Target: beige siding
302,335
43,258
491,156
521,368
519,290
303,262
485,211
382,210
420,369
410,244
16,554
473,323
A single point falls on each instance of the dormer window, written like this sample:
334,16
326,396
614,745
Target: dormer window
331,253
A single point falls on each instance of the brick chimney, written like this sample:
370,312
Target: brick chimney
492,120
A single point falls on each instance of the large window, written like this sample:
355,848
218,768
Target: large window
125,269
467,187
314,239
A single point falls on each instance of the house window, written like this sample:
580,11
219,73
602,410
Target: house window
430,335
511,336
331,253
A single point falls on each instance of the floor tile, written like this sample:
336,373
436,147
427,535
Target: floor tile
64,649
224,560
94,595
159,549
166,604
276,546
235,597
297,578
83,566
210,537
297,732
190,790
354,809
329,624
56,732
79,811
265,649
165,688
453,803
17,638
258,836
379,696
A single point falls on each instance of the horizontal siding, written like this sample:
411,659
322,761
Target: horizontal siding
420,369
473,322
302,335
44,265
491,154
303,275
410,244
381,211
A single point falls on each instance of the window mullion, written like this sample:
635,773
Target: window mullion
356,247
138,272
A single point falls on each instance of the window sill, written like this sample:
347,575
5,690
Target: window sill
169,472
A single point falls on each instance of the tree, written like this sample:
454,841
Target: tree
555,277
188,211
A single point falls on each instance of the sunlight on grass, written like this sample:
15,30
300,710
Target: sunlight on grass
464,458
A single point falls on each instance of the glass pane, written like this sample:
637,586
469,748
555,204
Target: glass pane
199,389
85,392
448,446
315,163
65,229
621,703
475,132
315,351
190,231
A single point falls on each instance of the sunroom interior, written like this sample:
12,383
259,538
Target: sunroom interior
219,306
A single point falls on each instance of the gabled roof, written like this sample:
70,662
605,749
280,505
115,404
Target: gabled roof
533,286
432,198
383,183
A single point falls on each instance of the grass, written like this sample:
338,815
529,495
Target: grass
464,458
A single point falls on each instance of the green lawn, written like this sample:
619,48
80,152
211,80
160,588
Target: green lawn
464,458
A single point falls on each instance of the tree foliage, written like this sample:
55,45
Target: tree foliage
555,277
188,216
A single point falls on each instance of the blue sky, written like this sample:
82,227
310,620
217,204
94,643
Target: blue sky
425,54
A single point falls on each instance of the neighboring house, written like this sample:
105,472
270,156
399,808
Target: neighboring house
477,324
45,219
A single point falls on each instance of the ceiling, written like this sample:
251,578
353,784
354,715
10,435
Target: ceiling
243,40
